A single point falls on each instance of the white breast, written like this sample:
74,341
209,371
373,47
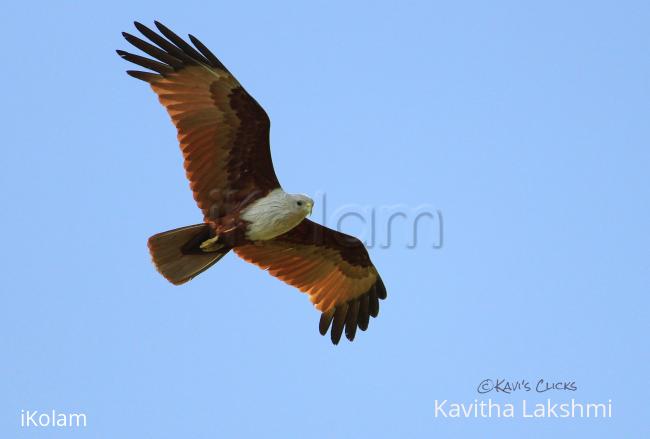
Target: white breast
271,216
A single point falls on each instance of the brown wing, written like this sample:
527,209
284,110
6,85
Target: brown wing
223,132
332,267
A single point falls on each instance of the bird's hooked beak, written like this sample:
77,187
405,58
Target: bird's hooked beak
311,206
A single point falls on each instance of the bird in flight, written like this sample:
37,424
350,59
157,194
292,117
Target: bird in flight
224,137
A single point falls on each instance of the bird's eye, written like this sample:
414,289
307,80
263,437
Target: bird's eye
299,203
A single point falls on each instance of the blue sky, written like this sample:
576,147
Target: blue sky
524,124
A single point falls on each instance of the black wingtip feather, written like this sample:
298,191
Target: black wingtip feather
352,320
143,76
145,62
373,302
381,289
182,44
339,322
364,312
164,44
214,61
153,51
325,322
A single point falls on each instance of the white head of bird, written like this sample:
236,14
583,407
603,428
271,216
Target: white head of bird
302,203
275,214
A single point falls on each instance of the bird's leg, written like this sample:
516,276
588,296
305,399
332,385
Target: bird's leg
211,245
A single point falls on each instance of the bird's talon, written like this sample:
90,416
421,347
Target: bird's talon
211,245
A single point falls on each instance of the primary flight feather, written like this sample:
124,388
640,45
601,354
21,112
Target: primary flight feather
224,136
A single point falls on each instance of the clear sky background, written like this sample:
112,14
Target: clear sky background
524,123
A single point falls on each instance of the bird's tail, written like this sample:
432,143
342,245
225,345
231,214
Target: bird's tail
177,253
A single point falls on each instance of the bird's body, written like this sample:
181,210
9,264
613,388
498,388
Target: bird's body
263,219
224,136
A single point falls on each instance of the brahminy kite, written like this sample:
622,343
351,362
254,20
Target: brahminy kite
224,136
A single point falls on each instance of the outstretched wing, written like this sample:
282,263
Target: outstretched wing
223,132
332,267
